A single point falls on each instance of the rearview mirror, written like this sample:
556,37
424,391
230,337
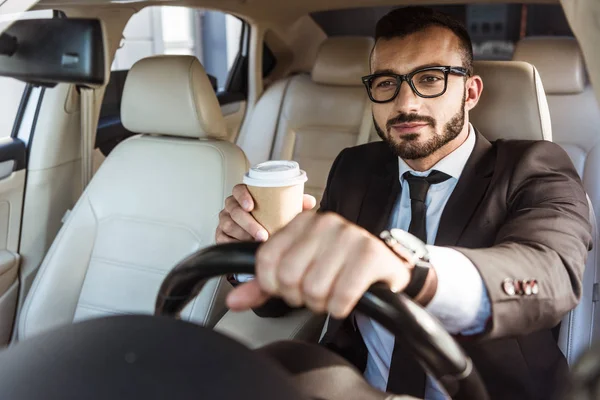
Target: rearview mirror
51,51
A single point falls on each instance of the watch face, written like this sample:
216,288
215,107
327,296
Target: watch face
411,242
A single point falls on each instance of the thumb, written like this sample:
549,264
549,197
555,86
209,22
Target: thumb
309,202
247,295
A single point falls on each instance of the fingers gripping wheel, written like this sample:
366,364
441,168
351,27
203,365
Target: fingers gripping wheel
434,348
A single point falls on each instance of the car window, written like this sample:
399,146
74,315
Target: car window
11,90
494,28
212,36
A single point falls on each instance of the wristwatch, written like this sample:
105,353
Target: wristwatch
411,248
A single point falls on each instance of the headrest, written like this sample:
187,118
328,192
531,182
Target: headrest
343,60
559,61
513,104
171,95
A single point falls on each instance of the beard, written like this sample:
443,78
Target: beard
409,148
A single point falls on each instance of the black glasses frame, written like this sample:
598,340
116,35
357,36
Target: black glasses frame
367,80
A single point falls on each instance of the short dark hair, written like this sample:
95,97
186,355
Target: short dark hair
405,21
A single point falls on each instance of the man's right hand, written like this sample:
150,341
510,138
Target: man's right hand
237,224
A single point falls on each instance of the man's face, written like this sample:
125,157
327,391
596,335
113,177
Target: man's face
413,126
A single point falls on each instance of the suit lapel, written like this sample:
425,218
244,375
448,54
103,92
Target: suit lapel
382,191
378,201
467,194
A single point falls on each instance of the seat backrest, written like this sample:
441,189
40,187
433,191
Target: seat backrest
514,106
155,200
573,107
317,116
576,127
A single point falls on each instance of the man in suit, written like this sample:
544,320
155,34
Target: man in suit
506,223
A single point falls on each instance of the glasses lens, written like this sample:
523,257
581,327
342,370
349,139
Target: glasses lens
383,88
430,82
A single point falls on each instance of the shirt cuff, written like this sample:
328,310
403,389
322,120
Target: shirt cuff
461,302
242,278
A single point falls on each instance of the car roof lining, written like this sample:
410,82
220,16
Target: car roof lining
274,10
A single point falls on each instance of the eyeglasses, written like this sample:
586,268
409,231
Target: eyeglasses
425,82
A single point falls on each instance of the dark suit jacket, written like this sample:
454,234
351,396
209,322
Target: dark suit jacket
519,211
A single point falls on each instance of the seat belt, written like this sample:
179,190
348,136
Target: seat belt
366,126
88,137
88,134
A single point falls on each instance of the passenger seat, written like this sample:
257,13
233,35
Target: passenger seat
503,113
575,118
155,200
573,106
311,118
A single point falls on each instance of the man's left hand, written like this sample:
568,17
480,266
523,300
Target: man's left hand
323,262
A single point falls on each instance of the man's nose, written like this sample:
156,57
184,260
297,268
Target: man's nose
407,100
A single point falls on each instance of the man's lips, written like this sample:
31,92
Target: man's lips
408,128
410,125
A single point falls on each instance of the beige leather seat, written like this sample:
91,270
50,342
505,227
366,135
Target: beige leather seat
310,119
576,127
153,201
513,106
573,107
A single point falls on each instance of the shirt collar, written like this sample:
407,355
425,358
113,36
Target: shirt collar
453,164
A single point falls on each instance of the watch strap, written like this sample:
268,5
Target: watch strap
416,253
417,279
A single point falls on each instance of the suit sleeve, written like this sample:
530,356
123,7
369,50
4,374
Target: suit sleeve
276,307
546,238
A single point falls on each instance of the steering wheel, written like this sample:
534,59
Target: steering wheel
422,335
158,357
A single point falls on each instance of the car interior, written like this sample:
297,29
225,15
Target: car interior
175,129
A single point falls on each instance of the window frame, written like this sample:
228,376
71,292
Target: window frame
21,110
26,96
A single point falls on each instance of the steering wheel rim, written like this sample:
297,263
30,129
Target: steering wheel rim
422,335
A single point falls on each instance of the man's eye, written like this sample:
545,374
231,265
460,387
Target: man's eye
385,84
430,79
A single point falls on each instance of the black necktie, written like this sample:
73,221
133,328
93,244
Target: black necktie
418,187
406,375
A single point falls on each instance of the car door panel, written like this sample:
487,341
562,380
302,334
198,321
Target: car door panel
11,202
14,150
6,168
12,182
9,287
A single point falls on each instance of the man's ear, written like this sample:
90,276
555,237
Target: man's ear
474,88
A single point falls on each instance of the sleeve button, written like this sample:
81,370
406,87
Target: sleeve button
509,287
534,287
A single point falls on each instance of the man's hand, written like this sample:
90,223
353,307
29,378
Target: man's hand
323,262
237,224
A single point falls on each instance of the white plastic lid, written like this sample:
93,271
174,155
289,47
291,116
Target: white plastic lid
275,174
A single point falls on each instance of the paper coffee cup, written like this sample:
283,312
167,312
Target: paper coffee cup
277,188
